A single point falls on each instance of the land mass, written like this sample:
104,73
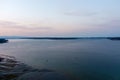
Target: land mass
71,38
4,38
114,38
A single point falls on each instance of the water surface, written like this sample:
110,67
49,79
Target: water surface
79,59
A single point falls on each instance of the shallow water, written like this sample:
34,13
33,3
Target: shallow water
79,59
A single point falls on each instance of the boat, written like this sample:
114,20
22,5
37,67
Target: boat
2,40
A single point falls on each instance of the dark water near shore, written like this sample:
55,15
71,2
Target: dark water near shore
79,59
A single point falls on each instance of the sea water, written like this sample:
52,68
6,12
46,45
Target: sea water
85,59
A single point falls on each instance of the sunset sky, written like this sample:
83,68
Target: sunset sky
60,18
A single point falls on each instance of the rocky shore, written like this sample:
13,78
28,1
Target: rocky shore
11,69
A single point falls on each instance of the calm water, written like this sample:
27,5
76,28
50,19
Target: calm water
79,59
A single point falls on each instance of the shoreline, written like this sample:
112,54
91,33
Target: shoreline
5,39
11,69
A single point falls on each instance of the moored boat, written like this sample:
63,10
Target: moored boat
2,40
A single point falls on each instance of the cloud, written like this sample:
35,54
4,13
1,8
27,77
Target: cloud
14,25
79,13
108,28
110,24
9,28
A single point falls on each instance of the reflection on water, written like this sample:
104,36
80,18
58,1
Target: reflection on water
80,59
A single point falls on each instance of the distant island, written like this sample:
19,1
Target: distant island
71,38
51,38
3,40
114,38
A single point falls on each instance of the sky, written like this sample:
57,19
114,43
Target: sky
83,18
